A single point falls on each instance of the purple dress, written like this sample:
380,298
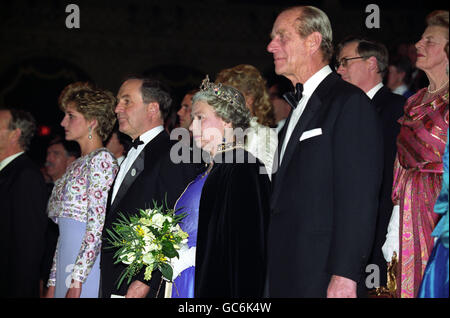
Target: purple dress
189,203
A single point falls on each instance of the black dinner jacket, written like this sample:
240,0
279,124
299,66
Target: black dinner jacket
390,108
155,175
23,223
325,193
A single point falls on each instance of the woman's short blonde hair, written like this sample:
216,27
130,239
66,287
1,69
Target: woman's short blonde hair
92,103
248,80
438,18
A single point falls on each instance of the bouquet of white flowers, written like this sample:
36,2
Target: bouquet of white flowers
149,239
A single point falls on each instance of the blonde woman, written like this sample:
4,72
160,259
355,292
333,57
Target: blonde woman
78,200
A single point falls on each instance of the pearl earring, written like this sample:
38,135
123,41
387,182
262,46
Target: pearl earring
90,131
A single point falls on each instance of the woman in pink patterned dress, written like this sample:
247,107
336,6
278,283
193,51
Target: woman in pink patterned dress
418,166
78,200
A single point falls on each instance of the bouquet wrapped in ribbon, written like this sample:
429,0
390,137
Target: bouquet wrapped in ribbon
150,239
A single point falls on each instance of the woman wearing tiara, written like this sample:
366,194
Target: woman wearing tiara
233,208
262,140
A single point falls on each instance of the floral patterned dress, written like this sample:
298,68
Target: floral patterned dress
78,204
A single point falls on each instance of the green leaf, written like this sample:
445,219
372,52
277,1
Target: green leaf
168,249
166,270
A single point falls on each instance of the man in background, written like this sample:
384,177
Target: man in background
363,63
184,114
118,144
60,155
23,201
281,107
399,76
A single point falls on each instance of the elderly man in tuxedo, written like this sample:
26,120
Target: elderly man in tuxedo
325,191
146,174
23,201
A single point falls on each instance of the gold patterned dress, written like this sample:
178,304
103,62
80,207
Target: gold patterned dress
418,172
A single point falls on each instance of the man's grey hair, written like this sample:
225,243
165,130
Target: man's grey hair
312,19
24,121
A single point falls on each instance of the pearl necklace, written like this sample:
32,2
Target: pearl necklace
436,90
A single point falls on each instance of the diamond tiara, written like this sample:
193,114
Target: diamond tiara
218,91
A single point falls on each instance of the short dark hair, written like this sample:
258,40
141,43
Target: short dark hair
367,48
402,64
282,84
124,139
23,120
72,148
153,90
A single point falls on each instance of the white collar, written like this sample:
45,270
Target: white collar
311,84
400,90
7,160
371,93
149,135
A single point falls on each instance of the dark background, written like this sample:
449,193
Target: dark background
176,41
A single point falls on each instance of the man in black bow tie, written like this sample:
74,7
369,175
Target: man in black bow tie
147,174
325,190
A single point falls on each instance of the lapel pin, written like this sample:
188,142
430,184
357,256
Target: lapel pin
133,172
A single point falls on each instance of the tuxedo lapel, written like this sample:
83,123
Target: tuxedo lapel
379,100
313,104
276,159
149,155
7,173
135,170
311,108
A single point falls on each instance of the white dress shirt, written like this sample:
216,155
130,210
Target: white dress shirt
280,125
371,93
400,90
133,153
308,89
120,160
7,160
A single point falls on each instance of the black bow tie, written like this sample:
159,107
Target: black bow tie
294,97
135,143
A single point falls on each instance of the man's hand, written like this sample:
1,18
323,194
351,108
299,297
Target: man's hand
137,289
341,287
